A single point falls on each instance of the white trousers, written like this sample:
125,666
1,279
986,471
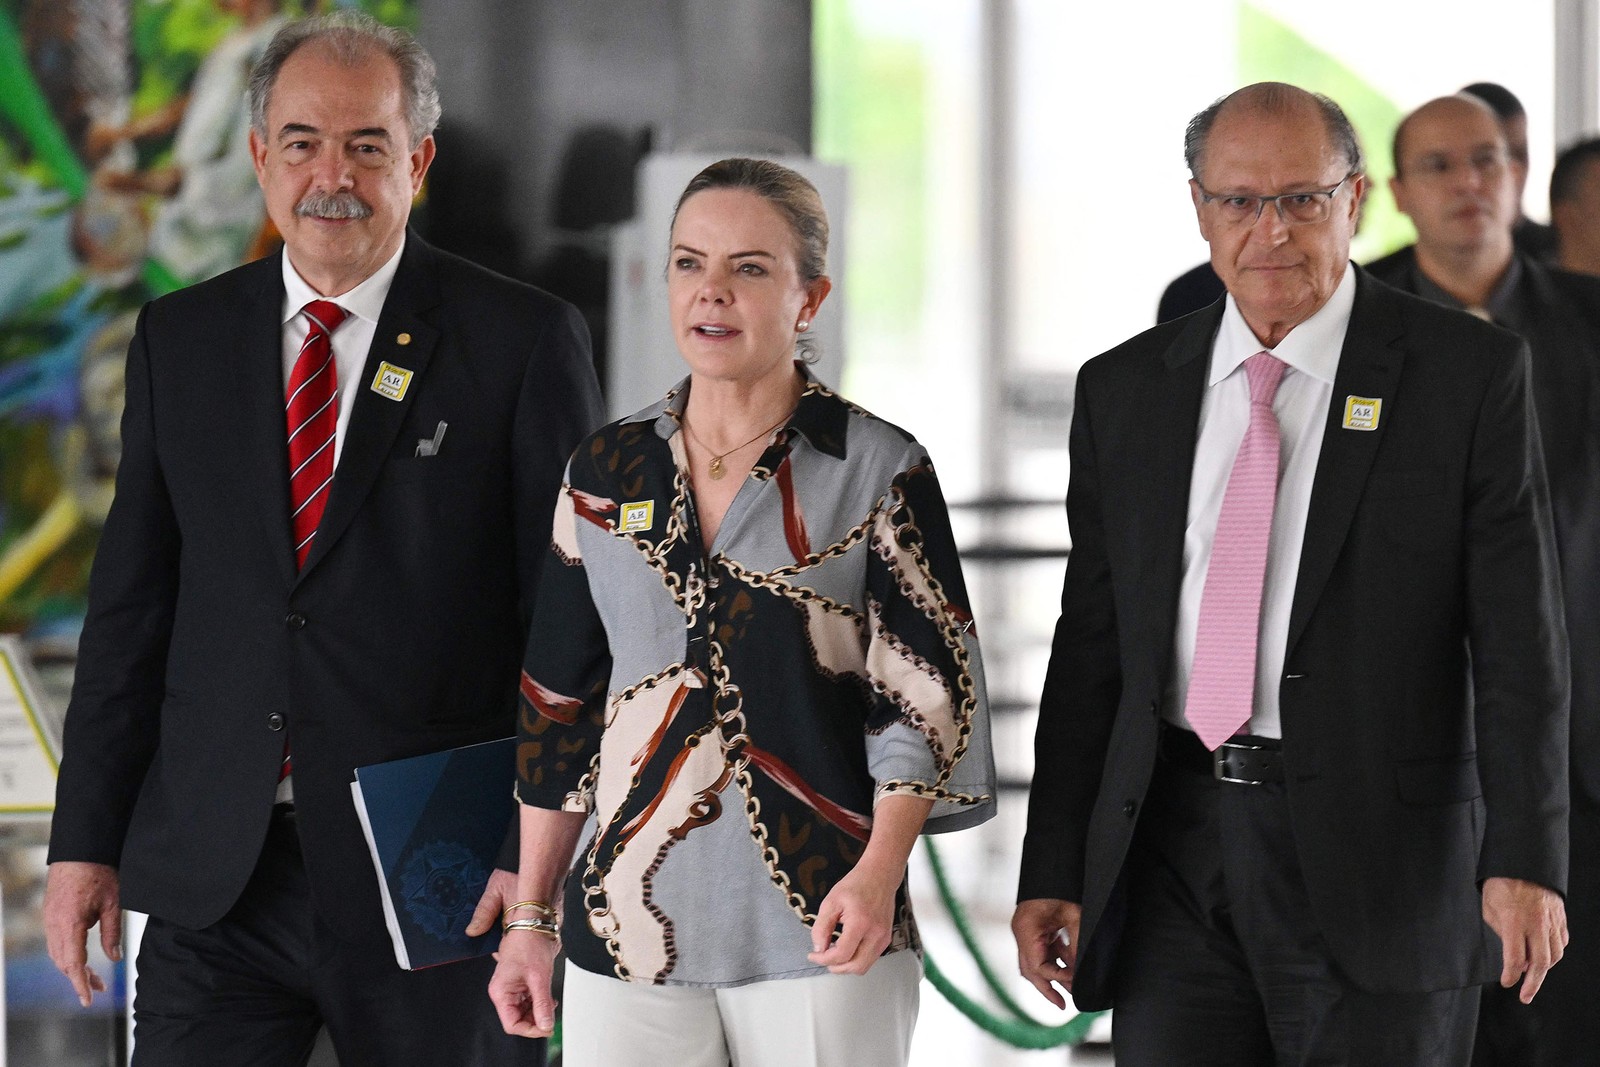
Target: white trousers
825,1020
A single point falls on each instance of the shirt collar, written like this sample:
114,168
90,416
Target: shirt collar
364,301
821,416
1311,348
1502,303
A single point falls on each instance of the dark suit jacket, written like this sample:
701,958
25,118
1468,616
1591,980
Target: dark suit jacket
1424,698
1189,291
1561,323
405,630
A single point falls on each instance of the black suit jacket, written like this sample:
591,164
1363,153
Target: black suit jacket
1561,323
403,633
1424,697
1189,291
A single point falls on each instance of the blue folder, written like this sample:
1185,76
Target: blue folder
434,826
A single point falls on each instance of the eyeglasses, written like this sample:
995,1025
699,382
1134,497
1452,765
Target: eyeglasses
1295,209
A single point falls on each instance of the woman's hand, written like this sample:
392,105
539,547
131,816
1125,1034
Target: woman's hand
861,905
520,988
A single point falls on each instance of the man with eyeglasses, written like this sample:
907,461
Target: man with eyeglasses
1456,180
1300,782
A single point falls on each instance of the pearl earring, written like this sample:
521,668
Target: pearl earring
803,325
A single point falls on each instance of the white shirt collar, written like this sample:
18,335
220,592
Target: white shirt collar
364,301
1312,347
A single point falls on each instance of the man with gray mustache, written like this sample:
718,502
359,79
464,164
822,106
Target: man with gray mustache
302,575
321,205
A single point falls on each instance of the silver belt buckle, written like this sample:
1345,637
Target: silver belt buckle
1218,759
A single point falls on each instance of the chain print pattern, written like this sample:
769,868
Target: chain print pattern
901,520
838,620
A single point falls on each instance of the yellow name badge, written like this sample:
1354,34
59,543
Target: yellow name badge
391,381
1361,412
637,516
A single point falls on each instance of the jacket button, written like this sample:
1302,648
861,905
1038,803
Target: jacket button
1129,808
275,721
295,621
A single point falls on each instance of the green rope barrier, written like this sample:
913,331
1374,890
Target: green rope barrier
1021,1031
968,938
1014,1032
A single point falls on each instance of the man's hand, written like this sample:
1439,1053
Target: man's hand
76,897
1047,945
496,895
520,988
1532,923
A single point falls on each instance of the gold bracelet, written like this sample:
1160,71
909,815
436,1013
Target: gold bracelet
535,905
538,926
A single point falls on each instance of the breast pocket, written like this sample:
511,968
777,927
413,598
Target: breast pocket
416,470
1414,508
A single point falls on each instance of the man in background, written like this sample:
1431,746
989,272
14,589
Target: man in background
1456,179
1534,238
1575,207
338,474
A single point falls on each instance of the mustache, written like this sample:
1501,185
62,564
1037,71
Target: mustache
323,205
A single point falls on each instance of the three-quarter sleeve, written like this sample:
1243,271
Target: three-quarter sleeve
565,671
928,732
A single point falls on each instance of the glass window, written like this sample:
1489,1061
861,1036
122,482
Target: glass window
897,101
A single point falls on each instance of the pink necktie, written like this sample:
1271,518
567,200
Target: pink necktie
312,415
1222,681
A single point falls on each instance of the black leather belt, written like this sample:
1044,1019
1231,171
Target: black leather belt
1241,760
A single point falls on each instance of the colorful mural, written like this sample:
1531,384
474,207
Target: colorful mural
124,173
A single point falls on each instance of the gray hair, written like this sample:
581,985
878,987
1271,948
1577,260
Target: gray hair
1273,98
351,37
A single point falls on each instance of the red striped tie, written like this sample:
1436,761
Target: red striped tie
312,417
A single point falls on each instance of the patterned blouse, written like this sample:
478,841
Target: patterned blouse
730,717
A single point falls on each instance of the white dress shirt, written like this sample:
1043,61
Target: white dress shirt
1311,351
350,341
350,344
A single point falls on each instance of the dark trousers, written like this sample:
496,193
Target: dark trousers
253,989
1221,962
1561,1028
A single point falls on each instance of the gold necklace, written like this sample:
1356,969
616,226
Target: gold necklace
716,468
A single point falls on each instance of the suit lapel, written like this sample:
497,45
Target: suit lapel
375,419
1168,427
264,449
1369,367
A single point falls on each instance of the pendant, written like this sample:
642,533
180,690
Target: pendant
716,467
